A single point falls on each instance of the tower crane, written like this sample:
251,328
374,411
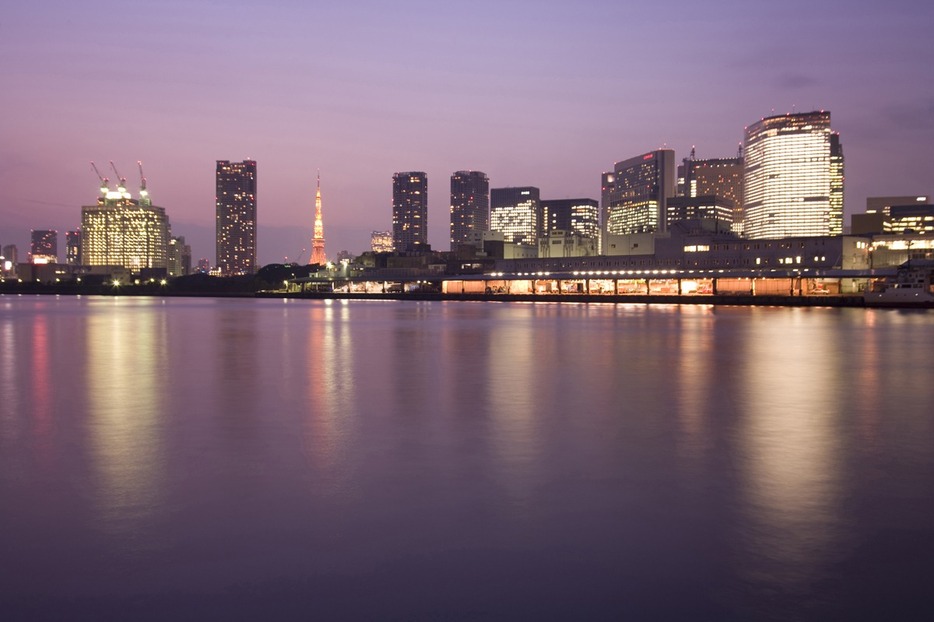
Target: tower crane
143,193
121,186
104,181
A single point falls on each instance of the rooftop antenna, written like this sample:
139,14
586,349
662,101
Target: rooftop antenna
739,150
692,152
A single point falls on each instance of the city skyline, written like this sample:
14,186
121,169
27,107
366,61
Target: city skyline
543,116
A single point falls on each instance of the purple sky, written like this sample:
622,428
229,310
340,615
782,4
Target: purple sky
533,93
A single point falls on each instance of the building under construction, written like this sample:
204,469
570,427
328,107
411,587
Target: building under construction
121,231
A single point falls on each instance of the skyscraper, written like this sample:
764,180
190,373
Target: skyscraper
121,231
516,213
73,247
410,211
636,192
715,177
793,177
470,205
580,216
317,241
236,217
43,247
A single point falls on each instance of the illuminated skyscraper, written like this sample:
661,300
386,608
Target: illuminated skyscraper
236,217
580,216
793,177
409,211
43,246
636,192
516,213
124,232
470,206
317,242
714,177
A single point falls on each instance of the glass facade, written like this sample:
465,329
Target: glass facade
236,217
793,177
636,192
580,216
721,177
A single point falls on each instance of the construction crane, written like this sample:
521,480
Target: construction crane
104,181
121,186
143,193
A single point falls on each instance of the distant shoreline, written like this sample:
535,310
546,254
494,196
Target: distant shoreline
850,301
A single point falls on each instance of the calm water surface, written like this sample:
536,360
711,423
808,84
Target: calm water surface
260,459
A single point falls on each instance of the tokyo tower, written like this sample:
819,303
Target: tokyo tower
317,242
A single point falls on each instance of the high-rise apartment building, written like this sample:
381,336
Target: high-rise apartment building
43,247
516,213
720,177
470,206
236,217
73,247
410,211
636,192
793,177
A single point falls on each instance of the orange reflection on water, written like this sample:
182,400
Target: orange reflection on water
126,366
330,380
509,370
789,419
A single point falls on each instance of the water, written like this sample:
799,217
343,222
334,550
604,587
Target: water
245,459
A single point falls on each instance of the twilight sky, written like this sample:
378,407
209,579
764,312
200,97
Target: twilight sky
544,93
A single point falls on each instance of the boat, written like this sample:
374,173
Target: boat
912,286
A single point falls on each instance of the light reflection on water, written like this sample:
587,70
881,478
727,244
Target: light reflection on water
379,459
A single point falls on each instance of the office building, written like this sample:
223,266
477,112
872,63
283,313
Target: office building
119,231
236,217
883,205
470,206
43,247
410,211
721,177
636,192
705,207
73,247
381,241
179,257
10,257
516,213
793,177
579,216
